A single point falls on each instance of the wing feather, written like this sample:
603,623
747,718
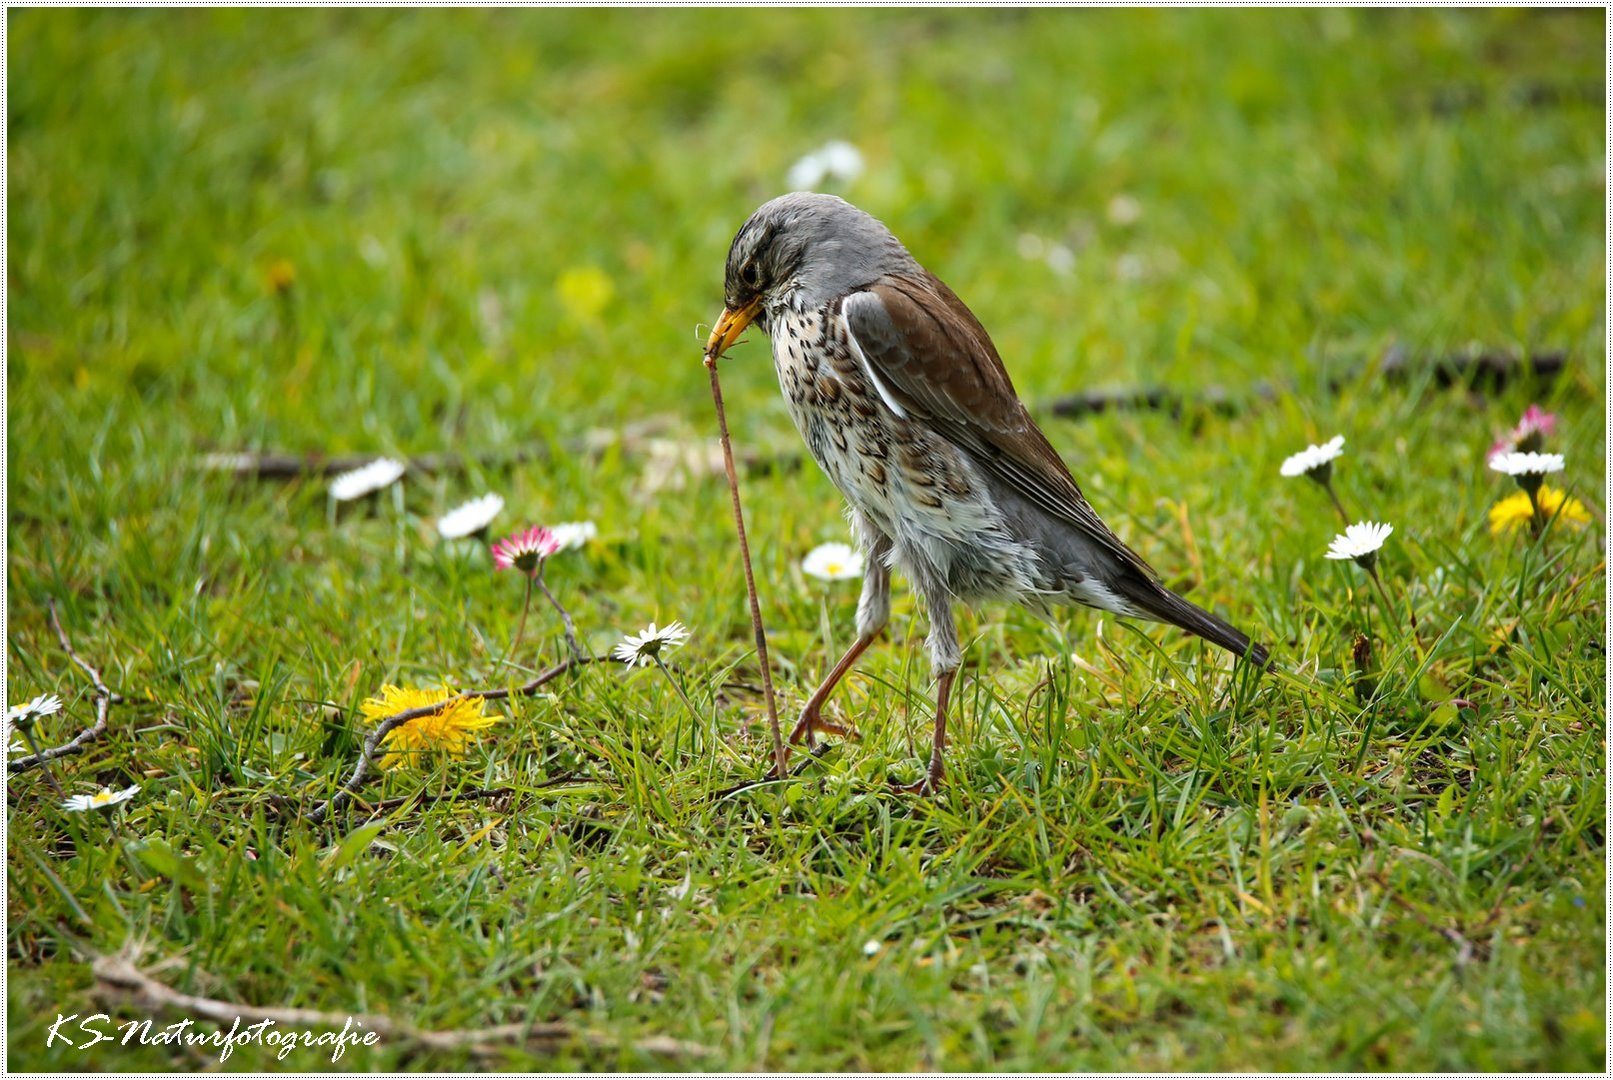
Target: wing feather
928,352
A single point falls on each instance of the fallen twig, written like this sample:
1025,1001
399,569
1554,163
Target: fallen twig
118,974
104,697
366,757
270,465
1492,370
637,440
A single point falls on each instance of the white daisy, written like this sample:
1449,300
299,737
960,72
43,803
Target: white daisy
29,711
105,799
872,946
640,650
836,161
1360,542
833,562
471,517
344,487
13,746
1312,459
1519,464
573,534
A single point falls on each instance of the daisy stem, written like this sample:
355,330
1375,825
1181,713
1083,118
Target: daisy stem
397,518
565,616
28,733
1537,518
135,868
1388,605
520,627
678,735
1337,505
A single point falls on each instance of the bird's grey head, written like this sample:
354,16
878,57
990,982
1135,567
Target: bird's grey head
803,249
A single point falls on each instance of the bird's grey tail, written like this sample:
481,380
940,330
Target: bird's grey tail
1162,604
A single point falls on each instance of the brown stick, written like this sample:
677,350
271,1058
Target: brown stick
116,973
366,757
270,465
273,465
779,760
104,697
1487,370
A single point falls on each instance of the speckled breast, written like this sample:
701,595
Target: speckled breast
912,484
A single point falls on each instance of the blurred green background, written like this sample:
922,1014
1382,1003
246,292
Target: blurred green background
366,232
1309,184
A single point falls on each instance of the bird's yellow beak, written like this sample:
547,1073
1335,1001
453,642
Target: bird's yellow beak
729,326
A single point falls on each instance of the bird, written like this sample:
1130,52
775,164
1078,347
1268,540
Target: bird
905,404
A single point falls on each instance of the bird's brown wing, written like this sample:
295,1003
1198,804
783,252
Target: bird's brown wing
928,353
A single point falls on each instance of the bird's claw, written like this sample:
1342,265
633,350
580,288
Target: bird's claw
813,723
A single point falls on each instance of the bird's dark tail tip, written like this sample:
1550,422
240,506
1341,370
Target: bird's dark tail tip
1164,605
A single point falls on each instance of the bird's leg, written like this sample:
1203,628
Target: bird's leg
945,656
812,715
873,612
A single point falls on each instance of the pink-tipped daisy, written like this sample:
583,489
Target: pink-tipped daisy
525,550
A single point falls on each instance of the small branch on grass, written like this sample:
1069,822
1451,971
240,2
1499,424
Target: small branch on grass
104,698
1157,399
366,757
116,975
636,440
67,647
1489,370
274,466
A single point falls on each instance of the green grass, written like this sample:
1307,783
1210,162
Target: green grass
504,229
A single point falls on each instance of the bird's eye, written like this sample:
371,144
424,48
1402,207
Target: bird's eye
751,274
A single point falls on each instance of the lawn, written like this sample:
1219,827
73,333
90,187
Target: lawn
491,243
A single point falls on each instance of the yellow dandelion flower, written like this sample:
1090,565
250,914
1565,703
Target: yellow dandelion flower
1514,512
446,731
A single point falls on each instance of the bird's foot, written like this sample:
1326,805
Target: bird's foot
812,723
